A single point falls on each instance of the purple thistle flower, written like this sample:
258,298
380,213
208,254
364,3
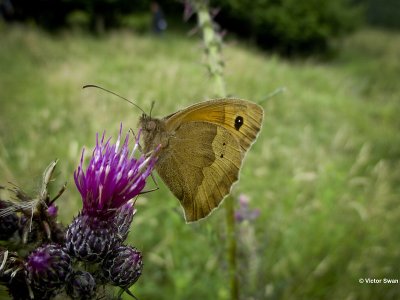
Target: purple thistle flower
113,177
244,212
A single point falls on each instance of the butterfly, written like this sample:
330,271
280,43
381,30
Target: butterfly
201,150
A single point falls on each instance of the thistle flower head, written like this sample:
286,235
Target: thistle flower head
113,176
48,267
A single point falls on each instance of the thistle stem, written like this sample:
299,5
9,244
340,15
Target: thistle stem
231,247
213,47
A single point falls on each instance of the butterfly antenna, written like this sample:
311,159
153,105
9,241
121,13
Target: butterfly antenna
151,108
115,94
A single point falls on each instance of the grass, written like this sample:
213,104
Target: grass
325,171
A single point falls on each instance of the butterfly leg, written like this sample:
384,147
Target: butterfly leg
153,189
134,135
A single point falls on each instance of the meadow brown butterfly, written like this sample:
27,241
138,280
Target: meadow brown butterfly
202,149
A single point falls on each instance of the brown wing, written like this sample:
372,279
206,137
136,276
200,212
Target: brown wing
199,165
241,118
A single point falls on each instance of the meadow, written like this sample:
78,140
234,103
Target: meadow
324,173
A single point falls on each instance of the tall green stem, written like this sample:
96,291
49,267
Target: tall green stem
231,246
213,47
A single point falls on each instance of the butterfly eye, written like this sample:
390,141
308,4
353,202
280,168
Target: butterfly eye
151,125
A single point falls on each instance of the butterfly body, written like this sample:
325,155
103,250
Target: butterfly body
201,150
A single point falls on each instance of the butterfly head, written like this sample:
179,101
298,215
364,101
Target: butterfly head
152,129
148,124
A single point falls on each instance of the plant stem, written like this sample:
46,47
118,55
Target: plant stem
231,245
213,47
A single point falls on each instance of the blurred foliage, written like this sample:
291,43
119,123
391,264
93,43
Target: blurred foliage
287,26
290,26
138,22
383,13
97,15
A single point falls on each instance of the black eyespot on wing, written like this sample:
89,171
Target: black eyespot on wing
238,122
222,156
223,144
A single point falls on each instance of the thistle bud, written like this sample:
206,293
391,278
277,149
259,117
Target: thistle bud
123,266
48,268
81,285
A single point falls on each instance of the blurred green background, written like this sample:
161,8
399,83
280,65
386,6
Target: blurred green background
324,173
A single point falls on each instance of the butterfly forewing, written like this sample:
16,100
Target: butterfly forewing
241,118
